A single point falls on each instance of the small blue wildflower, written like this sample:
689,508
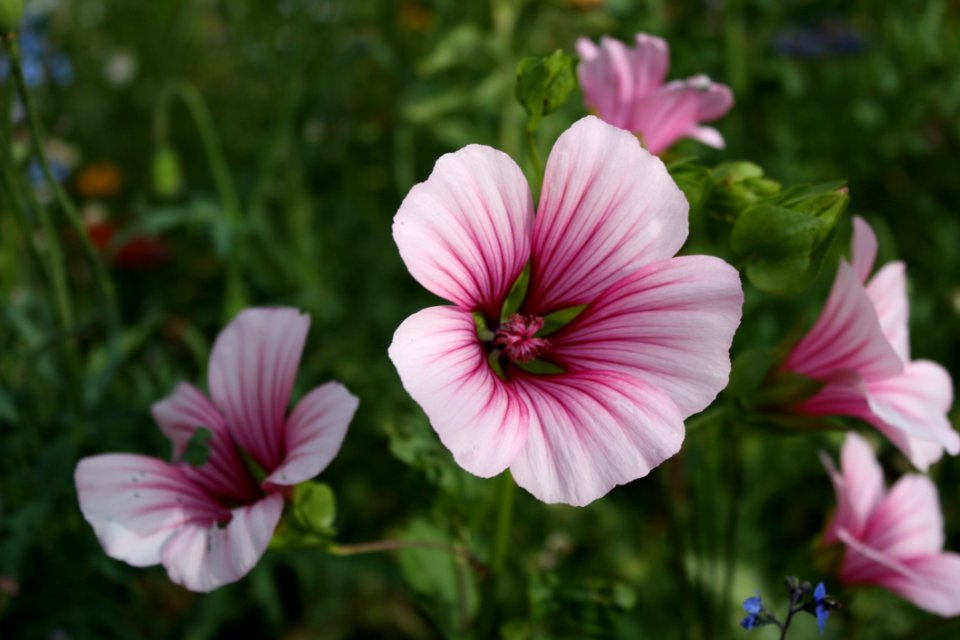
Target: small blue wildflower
823,610
754,607
61,69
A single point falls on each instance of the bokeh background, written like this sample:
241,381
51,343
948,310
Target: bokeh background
326,112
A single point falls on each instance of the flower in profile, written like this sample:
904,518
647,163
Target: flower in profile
894,539
576,410
821,606
859,348
208,522
627,88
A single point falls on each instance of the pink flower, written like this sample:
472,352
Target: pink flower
859,348
626,88
208,525
650,348
894,539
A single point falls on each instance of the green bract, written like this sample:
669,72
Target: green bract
543,84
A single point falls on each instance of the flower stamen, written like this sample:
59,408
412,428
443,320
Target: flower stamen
517,338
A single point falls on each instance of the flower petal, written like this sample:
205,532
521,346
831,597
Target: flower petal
916,402
606,77
464,234
224,474
136,503
846,336
888,293
907,523
314,432
708,136
592,431
252,370
650,60
677,109
936,588
204,557
864,248
607,208
859,487
669,324
443,366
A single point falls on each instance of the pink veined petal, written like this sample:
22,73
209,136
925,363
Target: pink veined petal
859,486
443,366
136,503
864,248
314,432
847,335
863,564
224,474
921,453
607,208
253,366
203,557
591,431
907,523
708,136
888,293
670,324
650,60
935,588
464,234
607,78
677,109
916,402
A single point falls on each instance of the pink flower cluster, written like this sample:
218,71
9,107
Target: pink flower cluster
627,88
209,524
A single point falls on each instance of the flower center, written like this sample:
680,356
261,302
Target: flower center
517,338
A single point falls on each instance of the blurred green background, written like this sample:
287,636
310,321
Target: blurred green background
327,112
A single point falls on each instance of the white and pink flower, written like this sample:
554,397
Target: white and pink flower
859,348
627,87
650,348
208,525
894,539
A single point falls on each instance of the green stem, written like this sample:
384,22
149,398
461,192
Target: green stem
66,205
506,491
55,265
380,546
223,181
534,155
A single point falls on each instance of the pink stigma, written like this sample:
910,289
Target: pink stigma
517,338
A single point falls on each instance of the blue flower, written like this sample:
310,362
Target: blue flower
823,609
754,607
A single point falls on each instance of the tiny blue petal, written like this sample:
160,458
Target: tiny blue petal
822,614
820,592
753,605
749,622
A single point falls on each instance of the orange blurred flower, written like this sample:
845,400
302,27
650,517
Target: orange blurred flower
99,180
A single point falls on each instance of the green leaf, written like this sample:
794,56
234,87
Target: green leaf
198,449
736,186
444,580
543,84
315,507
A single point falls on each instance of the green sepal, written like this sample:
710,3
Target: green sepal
198,450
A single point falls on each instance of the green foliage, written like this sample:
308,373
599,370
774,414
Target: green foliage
544,84
11,13
783,240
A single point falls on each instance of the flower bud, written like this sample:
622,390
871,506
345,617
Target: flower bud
167,172
11,13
